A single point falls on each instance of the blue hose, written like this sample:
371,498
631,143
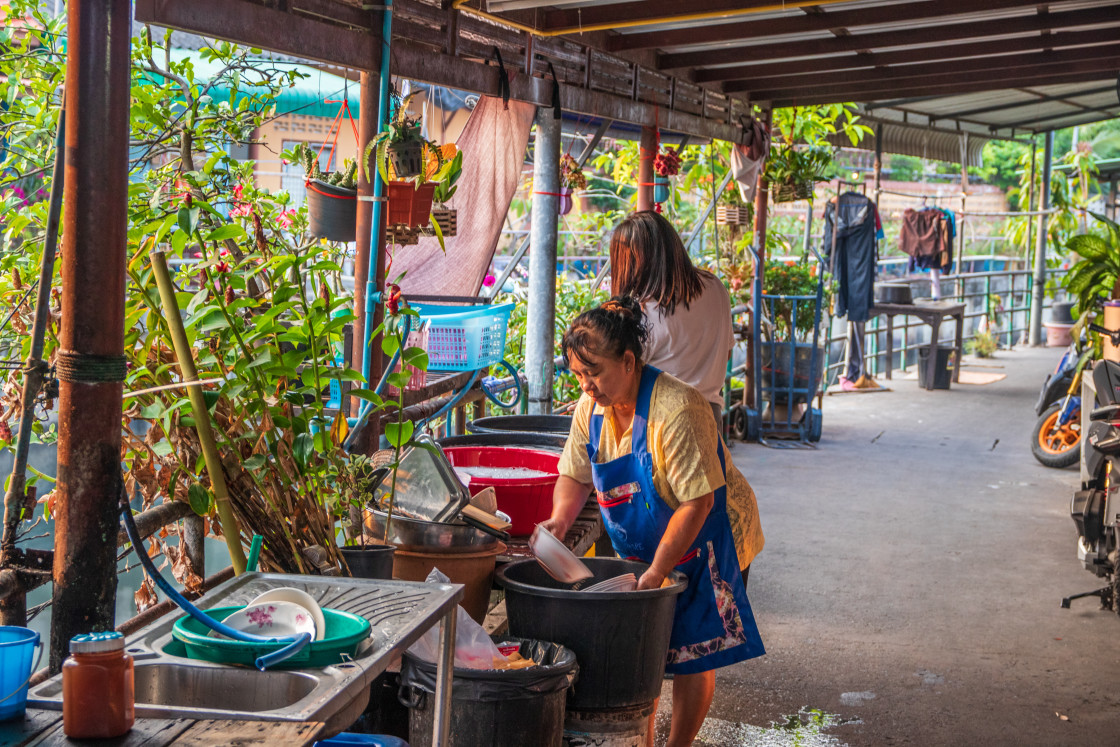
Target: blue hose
453,401
295,643
516,382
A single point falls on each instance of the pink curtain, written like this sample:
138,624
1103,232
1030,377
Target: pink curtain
493,144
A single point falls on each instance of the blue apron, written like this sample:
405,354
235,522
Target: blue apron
713,625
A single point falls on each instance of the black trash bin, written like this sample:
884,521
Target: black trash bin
943,376
494,707
559,425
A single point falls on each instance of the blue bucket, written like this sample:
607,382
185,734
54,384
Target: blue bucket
16,647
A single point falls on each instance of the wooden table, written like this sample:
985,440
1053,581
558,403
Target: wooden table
43,727
932,313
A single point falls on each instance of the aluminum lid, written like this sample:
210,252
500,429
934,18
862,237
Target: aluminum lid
97,643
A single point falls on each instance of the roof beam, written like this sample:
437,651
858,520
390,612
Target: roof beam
1038,99
940,88
1104,114
932,35
600,15
887,78
716,33
985,48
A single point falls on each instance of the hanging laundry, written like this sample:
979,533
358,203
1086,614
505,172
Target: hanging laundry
927,238
747,160
852,259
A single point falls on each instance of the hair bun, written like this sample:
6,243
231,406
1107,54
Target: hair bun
626,306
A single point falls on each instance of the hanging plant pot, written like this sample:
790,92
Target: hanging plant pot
448,220
332,212
402,235
790,191
732,215
660,188
407,158
564,205
410,205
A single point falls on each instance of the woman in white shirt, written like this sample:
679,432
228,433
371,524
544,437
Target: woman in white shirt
687,310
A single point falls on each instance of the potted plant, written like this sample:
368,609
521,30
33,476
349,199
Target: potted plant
399,151
571,178
356,480
1096,276
444,219
666,163
783,280
792,170
332,199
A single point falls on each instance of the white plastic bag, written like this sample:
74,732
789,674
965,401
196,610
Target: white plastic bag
473,648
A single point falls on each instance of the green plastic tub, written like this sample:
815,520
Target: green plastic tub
344,633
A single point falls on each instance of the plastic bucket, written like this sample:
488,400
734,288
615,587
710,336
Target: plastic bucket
526,500
369,561
497,708
943,373
16,648
474,570
621,639
332,212
560,425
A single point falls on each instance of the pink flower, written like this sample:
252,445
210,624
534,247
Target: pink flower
238,191
284,220
489,280
241,210
221,267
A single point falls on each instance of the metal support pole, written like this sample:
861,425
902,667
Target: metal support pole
1113,207
541,318
807,247
444,671
95,226
964,219
367,130
1039,289
698,227
878,162
1032,193
647,149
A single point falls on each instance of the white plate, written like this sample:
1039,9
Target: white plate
556,559
625,582
300,597
273,619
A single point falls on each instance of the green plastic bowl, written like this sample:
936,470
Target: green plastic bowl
344,633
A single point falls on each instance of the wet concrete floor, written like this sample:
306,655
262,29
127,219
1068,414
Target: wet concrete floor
911,580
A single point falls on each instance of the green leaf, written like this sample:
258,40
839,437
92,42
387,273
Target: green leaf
162,448
398,434
254,462
302,449
188,219
399,379
228,231
211,397
1090,247
265,356
416,357
152,411
368,395
389,345
199,498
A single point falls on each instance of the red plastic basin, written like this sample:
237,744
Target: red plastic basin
527,500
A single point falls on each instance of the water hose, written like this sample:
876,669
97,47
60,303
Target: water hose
490,385
367,406
451,402
295,643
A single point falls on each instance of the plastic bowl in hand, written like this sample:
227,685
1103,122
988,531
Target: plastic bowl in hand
556,558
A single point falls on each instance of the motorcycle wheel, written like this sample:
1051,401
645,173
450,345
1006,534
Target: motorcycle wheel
1055,445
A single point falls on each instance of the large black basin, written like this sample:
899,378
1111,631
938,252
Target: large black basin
547,441
620,638
559,425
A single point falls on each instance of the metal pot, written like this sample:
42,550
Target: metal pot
893,293
417,533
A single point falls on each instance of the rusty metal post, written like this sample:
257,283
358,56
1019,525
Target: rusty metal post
647,150
91,345
367,130
760,209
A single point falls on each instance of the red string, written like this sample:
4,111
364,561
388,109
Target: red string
552,194
311,186
336,128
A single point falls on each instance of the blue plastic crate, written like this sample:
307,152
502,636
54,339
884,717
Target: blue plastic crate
346,739
465,338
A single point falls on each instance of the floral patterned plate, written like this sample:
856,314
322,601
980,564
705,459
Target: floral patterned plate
273,619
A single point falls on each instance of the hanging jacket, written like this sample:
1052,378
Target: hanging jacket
927,237
852,261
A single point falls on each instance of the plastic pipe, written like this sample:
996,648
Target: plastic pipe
295,643
378,193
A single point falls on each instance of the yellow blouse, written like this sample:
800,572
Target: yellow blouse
682,438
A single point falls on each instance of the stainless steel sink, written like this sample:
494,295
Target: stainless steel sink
168,685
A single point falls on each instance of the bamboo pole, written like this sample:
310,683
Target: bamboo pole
228,522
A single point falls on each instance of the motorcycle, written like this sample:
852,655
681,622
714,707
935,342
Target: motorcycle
1056,438
1095,509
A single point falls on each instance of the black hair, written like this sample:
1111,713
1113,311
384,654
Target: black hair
608,330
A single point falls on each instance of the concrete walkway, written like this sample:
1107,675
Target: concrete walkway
912,575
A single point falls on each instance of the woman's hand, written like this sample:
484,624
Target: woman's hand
555,526
651,579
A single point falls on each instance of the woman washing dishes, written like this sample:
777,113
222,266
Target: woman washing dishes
645,442
687,310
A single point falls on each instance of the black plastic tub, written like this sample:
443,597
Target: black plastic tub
559,425
620,638
497,708
547,441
